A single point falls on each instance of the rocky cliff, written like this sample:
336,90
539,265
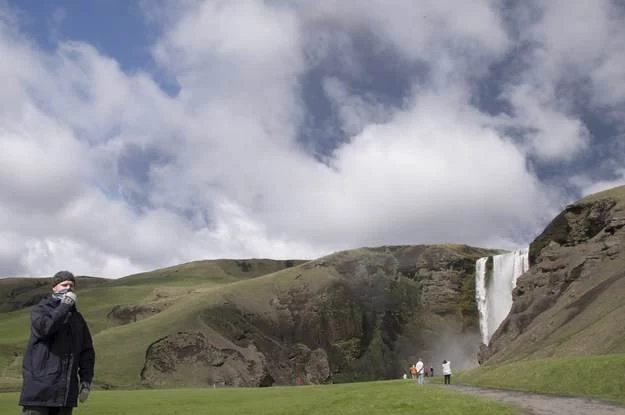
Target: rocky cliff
570,302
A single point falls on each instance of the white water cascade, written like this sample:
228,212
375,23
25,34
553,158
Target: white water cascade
480,297
493,294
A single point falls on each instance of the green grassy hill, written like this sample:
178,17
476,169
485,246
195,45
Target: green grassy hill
354,315
155,290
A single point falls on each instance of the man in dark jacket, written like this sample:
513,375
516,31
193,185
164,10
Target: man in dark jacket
59,359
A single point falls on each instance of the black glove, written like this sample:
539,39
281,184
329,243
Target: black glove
85,388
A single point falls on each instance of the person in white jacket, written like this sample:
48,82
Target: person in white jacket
420,371
447,372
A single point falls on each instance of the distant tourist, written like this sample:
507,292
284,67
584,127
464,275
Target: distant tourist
447,372
59,359
420,371
413,372
432,372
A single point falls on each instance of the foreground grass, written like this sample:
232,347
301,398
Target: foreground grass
373,398
593,376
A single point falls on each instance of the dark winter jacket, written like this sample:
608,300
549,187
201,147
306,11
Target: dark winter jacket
59,351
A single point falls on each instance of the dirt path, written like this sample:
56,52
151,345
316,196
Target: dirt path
538,404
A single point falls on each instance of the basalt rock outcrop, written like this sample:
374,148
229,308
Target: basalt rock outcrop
570,302
126,314
190,359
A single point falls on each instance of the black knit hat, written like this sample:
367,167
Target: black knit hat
63,276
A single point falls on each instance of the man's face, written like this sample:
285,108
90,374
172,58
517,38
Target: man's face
63,285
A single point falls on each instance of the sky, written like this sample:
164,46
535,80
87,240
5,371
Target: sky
142,134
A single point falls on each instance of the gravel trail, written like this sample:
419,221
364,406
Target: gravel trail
539,404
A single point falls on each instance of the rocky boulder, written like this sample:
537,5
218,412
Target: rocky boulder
189,359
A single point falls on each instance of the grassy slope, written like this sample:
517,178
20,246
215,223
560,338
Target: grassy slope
374,398
593,376
616,193
584,321
190,284
123,347
220,271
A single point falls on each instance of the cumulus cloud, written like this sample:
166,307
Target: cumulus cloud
106,173
552,133
572,65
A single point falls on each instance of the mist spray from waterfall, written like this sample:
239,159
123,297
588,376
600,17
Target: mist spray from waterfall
493,293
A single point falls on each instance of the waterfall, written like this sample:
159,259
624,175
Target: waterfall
480,296
494,295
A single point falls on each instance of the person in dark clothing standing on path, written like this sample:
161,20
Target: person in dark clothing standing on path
59,358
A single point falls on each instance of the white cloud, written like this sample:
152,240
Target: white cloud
11,248
554,134
105,174
410,176
421,29
585,40
39,162
574,63
45,256
354,111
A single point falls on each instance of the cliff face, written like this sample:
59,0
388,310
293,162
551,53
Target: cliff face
354,315
570,301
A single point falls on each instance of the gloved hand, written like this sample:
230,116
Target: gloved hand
69,298
85,388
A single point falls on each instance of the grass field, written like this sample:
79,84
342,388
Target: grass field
593,376
371,398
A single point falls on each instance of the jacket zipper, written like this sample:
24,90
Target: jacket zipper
68,377
70,359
